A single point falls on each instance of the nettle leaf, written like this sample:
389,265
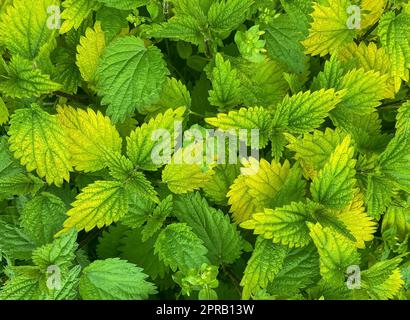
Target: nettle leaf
394,36
24,27
37,140
283,37
124,4
22,287
264,185
394,161
226,15
305,111
245,119
23,80
396,218
174,95
157,219
89,51
180,248
69,286
336,254
329,31
378,194
4,112
314,150
135,182
128,60
383,280
300,270
185,173
334,184
403,118
99,204
144,145
226,87
15,242
58,253
74,13
42,217
369,57
110,241
212,226
114,279
218,185
13,178
286,225
265,263
142,254
91,137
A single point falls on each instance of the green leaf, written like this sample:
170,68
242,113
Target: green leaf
75,11
217,187
157,219
394,35
91,137
212,226
226,15
22,287
378,194
114,279
383,280
313,150
265,263
99,204
283,37
127,60
329,31
13,178
42,217
336,254
180,248
142,254
15,242
144,146
124,4
334,186
185,173
305,112
174,95
245,119
58,253
24,27
37,140
394,162
286,225
89,51
264,185
69,286
225,91
300,270
24,80
110,241
4,112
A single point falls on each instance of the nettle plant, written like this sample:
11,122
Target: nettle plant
88,88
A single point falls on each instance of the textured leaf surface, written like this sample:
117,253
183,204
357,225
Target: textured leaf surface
130,76
90,137
114,279
36,139
214,228
180,248
98,205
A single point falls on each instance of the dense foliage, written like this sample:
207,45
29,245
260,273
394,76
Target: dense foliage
87,212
